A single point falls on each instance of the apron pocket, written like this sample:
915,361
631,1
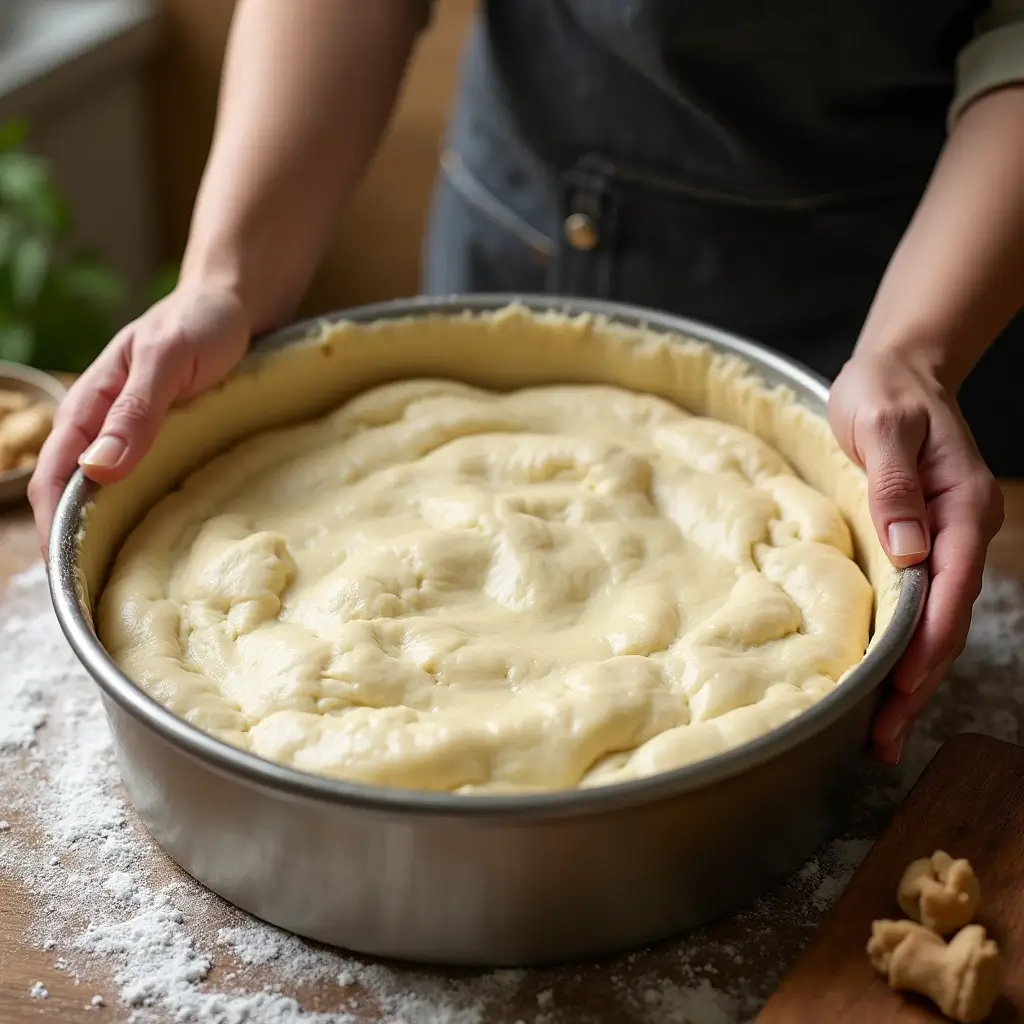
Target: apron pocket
462,179
494,206
476,244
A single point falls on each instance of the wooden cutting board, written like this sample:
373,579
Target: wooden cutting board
970,803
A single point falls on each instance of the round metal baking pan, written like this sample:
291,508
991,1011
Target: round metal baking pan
488,880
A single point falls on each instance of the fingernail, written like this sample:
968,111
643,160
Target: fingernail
907,539
899,741
897,734
103,453
907,679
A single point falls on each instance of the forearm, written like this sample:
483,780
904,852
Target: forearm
957,277
307,91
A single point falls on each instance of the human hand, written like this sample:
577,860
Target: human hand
182,345
932,498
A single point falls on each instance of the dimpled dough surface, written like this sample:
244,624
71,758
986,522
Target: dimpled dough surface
440,587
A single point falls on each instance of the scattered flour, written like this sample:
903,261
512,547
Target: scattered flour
23,708
122,885
810,870
669,1003
116,912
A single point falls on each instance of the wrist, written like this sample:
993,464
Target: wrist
202,269
229,266
930,350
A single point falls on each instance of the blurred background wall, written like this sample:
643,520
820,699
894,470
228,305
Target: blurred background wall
376,254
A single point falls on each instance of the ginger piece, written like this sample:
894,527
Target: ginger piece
962,977
12,401
22,433
940,892
26,429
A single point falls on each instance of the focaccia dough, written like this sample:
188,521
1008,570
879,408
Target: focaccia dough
441,587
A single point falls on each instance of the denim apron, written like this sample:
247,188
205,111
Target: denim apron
750,163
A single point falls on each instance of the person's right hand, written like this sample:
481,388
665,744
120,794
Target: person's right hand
110,417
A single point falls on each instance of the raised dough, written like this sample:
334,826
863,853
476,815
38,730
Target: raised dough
441,587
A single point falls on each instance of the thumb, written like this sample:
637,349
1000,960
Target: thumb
131,424
895,497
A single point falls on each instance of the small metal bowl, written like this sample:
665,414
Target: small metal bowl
488,880
39,387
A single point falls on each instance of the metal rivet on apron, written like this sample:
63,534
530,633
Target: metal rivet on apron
581,232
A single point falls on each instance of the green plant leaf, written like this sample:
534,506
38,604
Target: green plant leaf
29,267
8,236
22,176
57,308
70,332
13,134
27,186
164,282
88,280
17,342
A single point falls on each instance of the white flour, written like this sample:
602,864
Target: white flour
117,917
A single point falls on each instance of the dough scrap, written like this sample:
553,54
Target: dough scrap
962,977
941,893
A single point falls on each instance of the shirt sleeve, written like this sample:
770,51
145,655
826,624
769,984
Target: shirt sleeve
993,58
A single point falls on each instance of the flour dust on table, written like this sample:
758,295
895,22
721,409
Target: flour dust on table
147,944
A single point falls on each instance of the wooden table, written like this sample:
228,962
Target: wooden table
759,944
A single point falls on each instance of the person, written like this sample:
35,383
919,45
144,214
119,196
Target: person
757,166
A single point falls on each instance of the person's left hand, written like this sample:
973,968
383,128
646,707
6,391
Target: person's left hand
931,498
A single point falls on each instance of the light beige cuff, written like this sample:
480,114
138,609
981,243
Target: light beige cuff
993,59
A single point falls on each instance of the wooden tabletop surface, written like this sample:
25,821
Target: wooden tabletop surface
580,993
